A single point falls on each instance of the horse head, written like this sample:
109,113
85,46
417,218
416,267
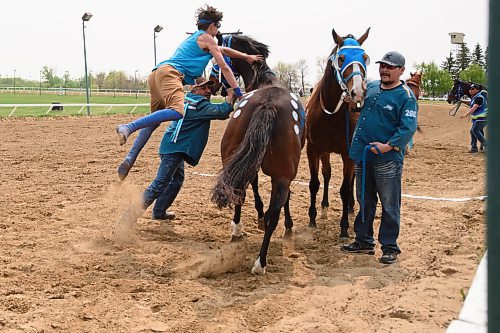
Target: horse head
349,62
459,89
415,82
239,67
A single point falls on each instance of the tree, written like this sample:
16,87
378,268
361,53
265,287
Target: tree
50,77
463,57
475,73
435,81
477,56
303,69
449,65
99,78
321,64
287,74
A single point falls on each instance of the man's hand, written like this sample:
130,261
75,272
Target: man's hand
465,115
251,58
230,97
383,147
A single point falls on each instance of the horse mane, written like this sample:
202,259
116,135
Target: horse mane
263,75
314,100
261,48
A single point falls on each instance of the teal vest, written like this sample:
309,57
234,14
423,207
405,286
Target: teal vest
482,110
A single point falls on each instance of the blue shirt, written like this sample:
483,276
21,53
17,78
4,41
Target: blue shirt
482,110
189,59
190,134
387,116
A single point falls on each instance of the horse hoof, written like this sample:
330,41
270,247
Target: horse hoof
288,233
257,269
312,225
261,224
237,238
324,213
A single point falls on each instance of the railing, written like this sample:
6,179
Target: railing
54,106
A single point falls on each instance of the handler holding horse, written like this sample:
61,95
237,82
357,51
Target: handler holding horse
386,124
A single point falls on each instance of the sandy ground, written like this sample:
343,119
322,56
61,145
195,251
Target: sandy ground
63,269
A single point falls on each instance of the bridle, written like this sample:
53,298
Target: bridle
353,54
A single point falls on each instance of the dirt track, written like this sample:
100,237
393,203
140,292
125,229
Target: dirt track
63,269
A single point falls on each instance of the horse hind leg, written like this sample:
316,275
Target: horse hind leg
288,217
279,196
237,227
259,205
346,194
326,170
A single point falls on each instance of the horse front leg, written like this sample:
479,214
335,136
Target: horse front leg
279,196
259,205
313,159
346,194
326,170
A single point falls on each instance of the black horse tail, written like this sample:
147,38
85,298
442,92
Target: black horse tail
244,164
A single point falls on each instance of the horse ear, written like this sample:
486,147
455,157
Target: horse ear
336,38
364,37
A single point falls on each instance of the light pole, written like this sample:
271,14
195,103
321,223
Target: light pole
14,81
40,85
158,28
114,84
85,18
135,82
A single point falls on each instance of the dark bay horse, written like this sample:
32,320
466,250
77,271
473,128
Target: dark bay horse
330,123
265,132
460,89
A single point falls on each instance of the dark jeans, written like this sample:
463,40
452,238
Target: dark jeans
477,133
166,185
382,179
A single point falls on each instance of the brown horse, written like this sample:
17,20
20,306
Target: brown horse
265,132
330,123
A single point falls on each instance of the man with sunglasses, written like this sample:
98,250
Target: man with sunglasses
168,77
386,124
478,112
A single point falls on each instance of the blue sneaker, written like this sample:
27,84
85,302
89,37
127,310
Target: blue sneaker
124,169
123,133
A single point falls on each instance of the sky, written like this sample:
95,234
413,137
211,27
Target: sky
119,36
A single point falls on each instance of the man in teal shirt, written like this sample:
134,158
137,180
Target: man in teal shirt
386,124
184,140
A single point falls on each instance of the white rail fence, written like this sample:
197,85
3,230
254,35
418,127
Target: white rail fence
54,106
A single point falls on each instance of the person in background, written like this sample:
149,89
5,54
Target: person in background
478,112
386,123
167,79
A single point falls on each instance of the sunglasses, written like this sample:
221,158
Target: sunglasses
473,88
390,67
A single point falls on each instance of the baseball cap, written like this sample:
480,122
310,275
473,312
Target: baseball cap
393,58
474,86
201,81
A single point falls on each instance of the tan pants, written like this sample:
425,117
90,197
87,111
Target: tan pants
165,86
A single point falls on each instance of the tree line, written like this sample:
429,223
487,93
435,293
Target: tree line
468,65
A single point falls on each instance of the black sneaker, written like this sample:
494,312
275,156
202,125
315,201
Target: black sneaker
166,216
473,150
389,257
358,247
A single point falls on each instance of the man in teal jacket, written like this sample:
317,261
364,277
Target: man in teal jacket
386,124
184,140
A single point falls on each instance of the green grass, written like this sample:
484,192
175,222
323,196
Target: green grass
19,98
